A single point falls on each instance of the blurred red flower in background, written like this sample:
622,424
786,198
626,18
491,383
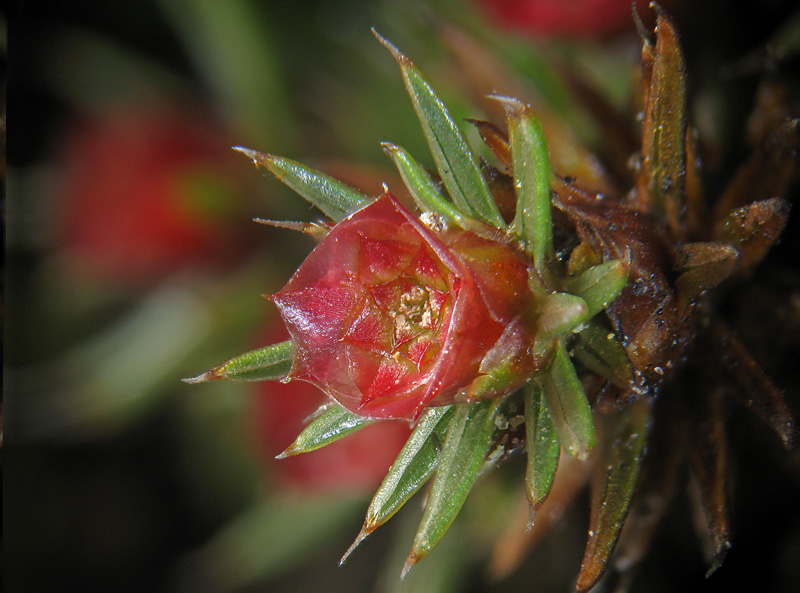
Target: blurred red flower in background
145,192
563,18
355,464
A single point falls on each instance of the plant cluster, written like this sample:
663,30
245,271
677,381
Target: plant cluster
532,305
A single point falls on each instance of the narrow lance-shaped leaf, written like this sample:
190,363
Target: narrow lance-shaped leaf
463,454
708,455
661,181
542,448
531,169
331,425
336,199
616,478
421,186
454,159
265,364
756,391
412,468
599,285
569,408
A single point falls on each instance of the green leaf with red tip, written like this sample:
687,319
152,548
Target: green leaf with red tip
599,285
454,159
422,187
615,482
531,168
463,454
569,408
542,446
600,351
265,364
337,200
412,468
331,425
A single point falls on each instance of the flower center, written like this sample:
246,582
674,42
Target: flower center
405,301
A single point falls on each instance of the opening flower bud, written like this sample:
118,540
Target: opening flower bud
388,316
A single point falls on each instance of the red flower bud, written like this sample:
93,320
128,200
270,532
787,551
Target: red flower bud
389,316
557,18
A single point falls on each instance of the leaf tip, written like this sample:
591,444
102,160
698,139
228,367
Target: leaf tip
412,559
214,374
362,535
287,452
512,105
532,510
719,557
253,155
396,53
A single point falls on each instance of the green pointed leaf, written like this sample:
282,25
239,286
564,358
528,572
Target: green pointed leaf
569,408
454,159
531,167
613,489
599,285
337,200
463,454
542,447
334,423
600,351
422,187
412,468
265,364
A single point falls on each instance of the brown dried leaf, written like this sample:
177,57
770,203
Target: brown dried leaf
708,456
616,475
703,266
497,141
661,186
757,392
646,315
753,229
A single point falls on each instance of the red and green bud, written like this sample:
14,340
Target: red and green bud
388,315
